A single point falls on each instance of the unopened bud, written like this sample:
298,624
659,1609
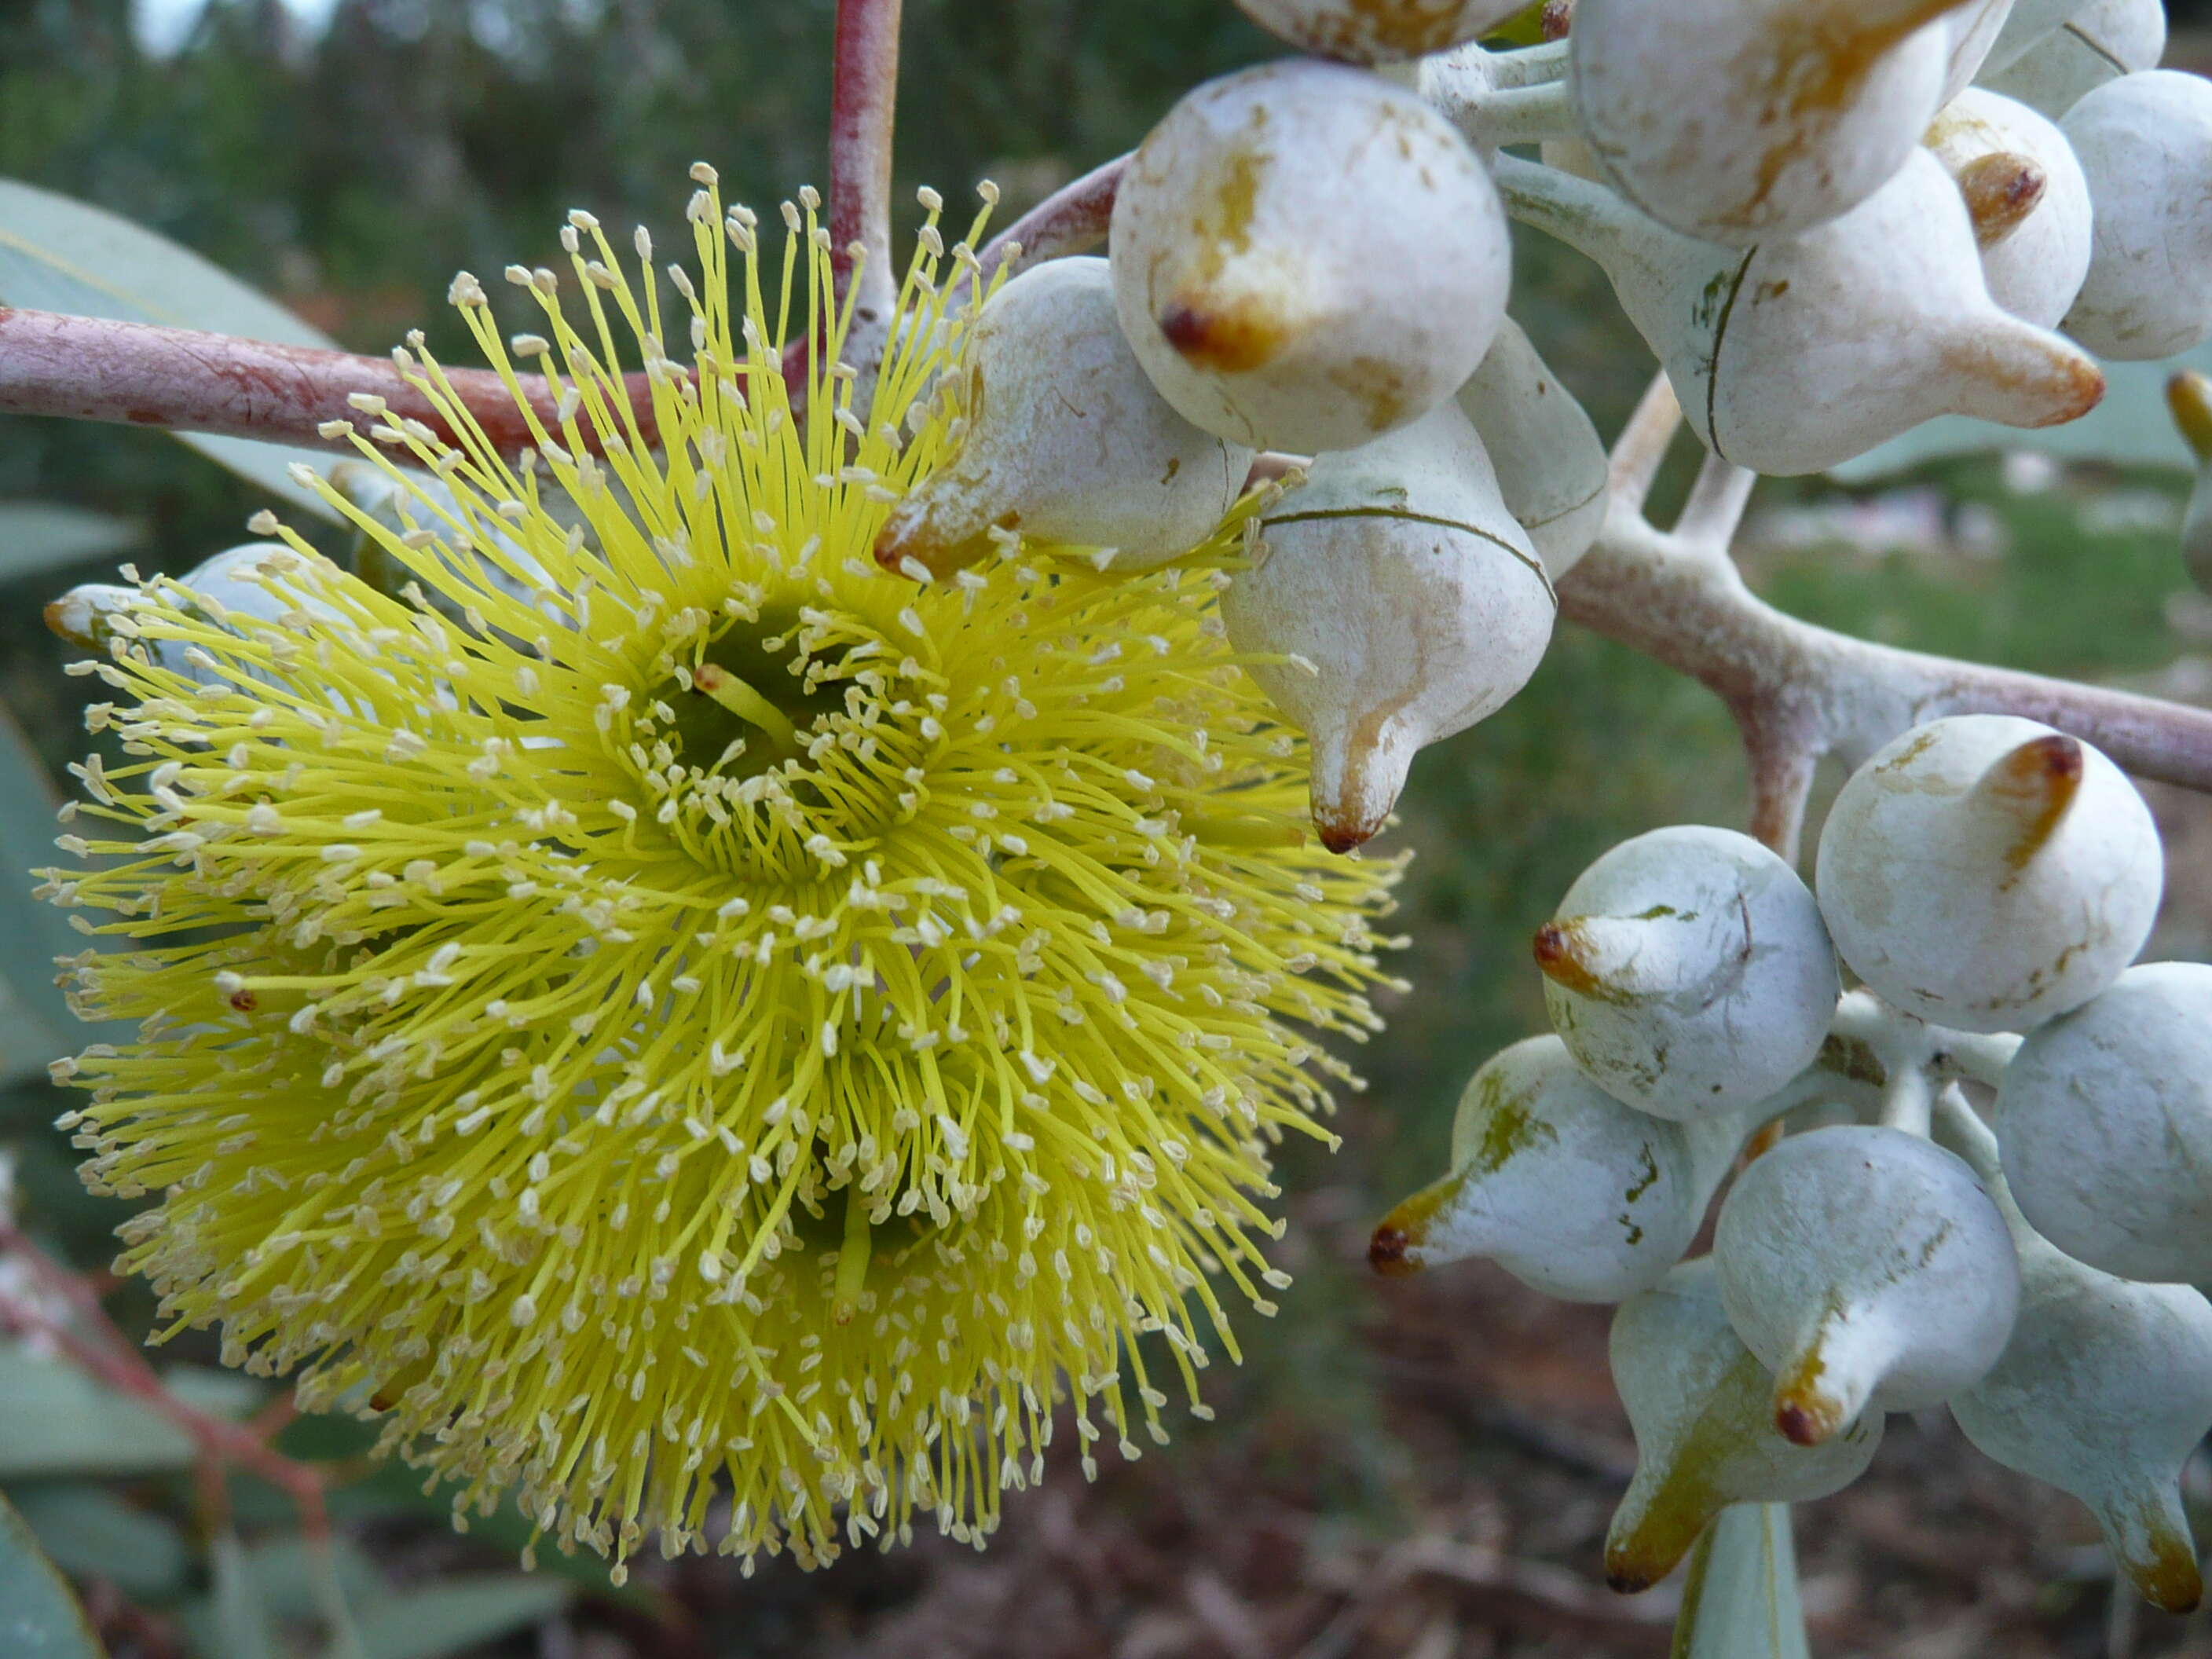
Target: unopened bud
1362,32
2099,43
1987,872
1689,972
1066,441
1569,1191
2026,195
1809,351
1869,1270
1413,603
2145,143
1550,463
2105,1118
1307,256
1722,137
1700,1403
2103,1391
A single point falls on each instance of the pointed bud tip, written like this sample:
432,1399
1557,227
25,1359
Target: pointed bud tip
1628,1584
2035,784
1553,947
1344,835
1389,1252
1232,338
2188,398
1805,1422
2001,189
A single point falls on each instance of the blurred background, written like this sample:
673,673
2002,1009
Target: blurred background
1421,1467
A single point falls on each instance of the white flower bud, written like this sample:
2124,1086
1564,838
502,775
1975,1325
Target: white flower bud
2106,1119
1986,873
1740,121
1551,465
1407,603
1801,354
2103,1391
2102,41
1700,1403
1366,32
2145,143
1688,972
1572,1192
1869,1269
1066,441
1306,257
2027,23
1974,29
2029,200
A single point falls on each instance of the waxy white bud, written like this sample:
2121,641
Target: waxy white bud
1403,604
1741,121
2026,195
1307,256
1869,1270
1369,32
1688,972
2102,41
2103,1391
1701,1405
1986,872
2145,143
1551,465
2106,1119
1801,354
1066,441
1572,1192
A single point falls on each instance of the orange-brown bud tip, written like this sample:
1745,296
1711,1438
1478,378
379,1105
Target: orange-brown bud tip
1230,339
245,1001
1623,1582
2037,780
1342,835
1388,1252
1553,947
1801,1426
2001,189
1557,19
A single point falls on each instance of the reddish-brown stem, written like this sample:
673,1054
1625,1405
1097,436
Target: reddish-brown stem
863,106
1072,220
91,1341
87,368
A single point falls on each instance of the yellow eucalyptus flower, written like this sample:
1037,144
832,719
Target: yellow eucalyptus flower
660,1007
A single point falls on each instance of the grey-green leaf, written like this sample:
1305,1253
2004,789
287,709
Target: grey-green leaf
35,1022
241,1620
91,1533
40,1617
2130,428
1741,1599
56,1421
59,254
41,535
456,1614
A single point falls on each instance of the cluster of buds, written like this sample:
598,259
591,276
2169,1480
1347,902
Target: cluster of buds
1830,219
1988,881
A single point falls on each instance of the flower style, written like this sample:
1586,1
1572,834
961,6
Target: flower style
658,1002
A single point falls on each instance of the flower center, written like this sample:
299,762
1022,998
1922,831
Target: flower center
776,741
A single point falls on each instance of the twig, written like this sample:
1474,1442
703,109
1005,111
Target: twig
1799,692
863,109
89,368
1072,220
91,1340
